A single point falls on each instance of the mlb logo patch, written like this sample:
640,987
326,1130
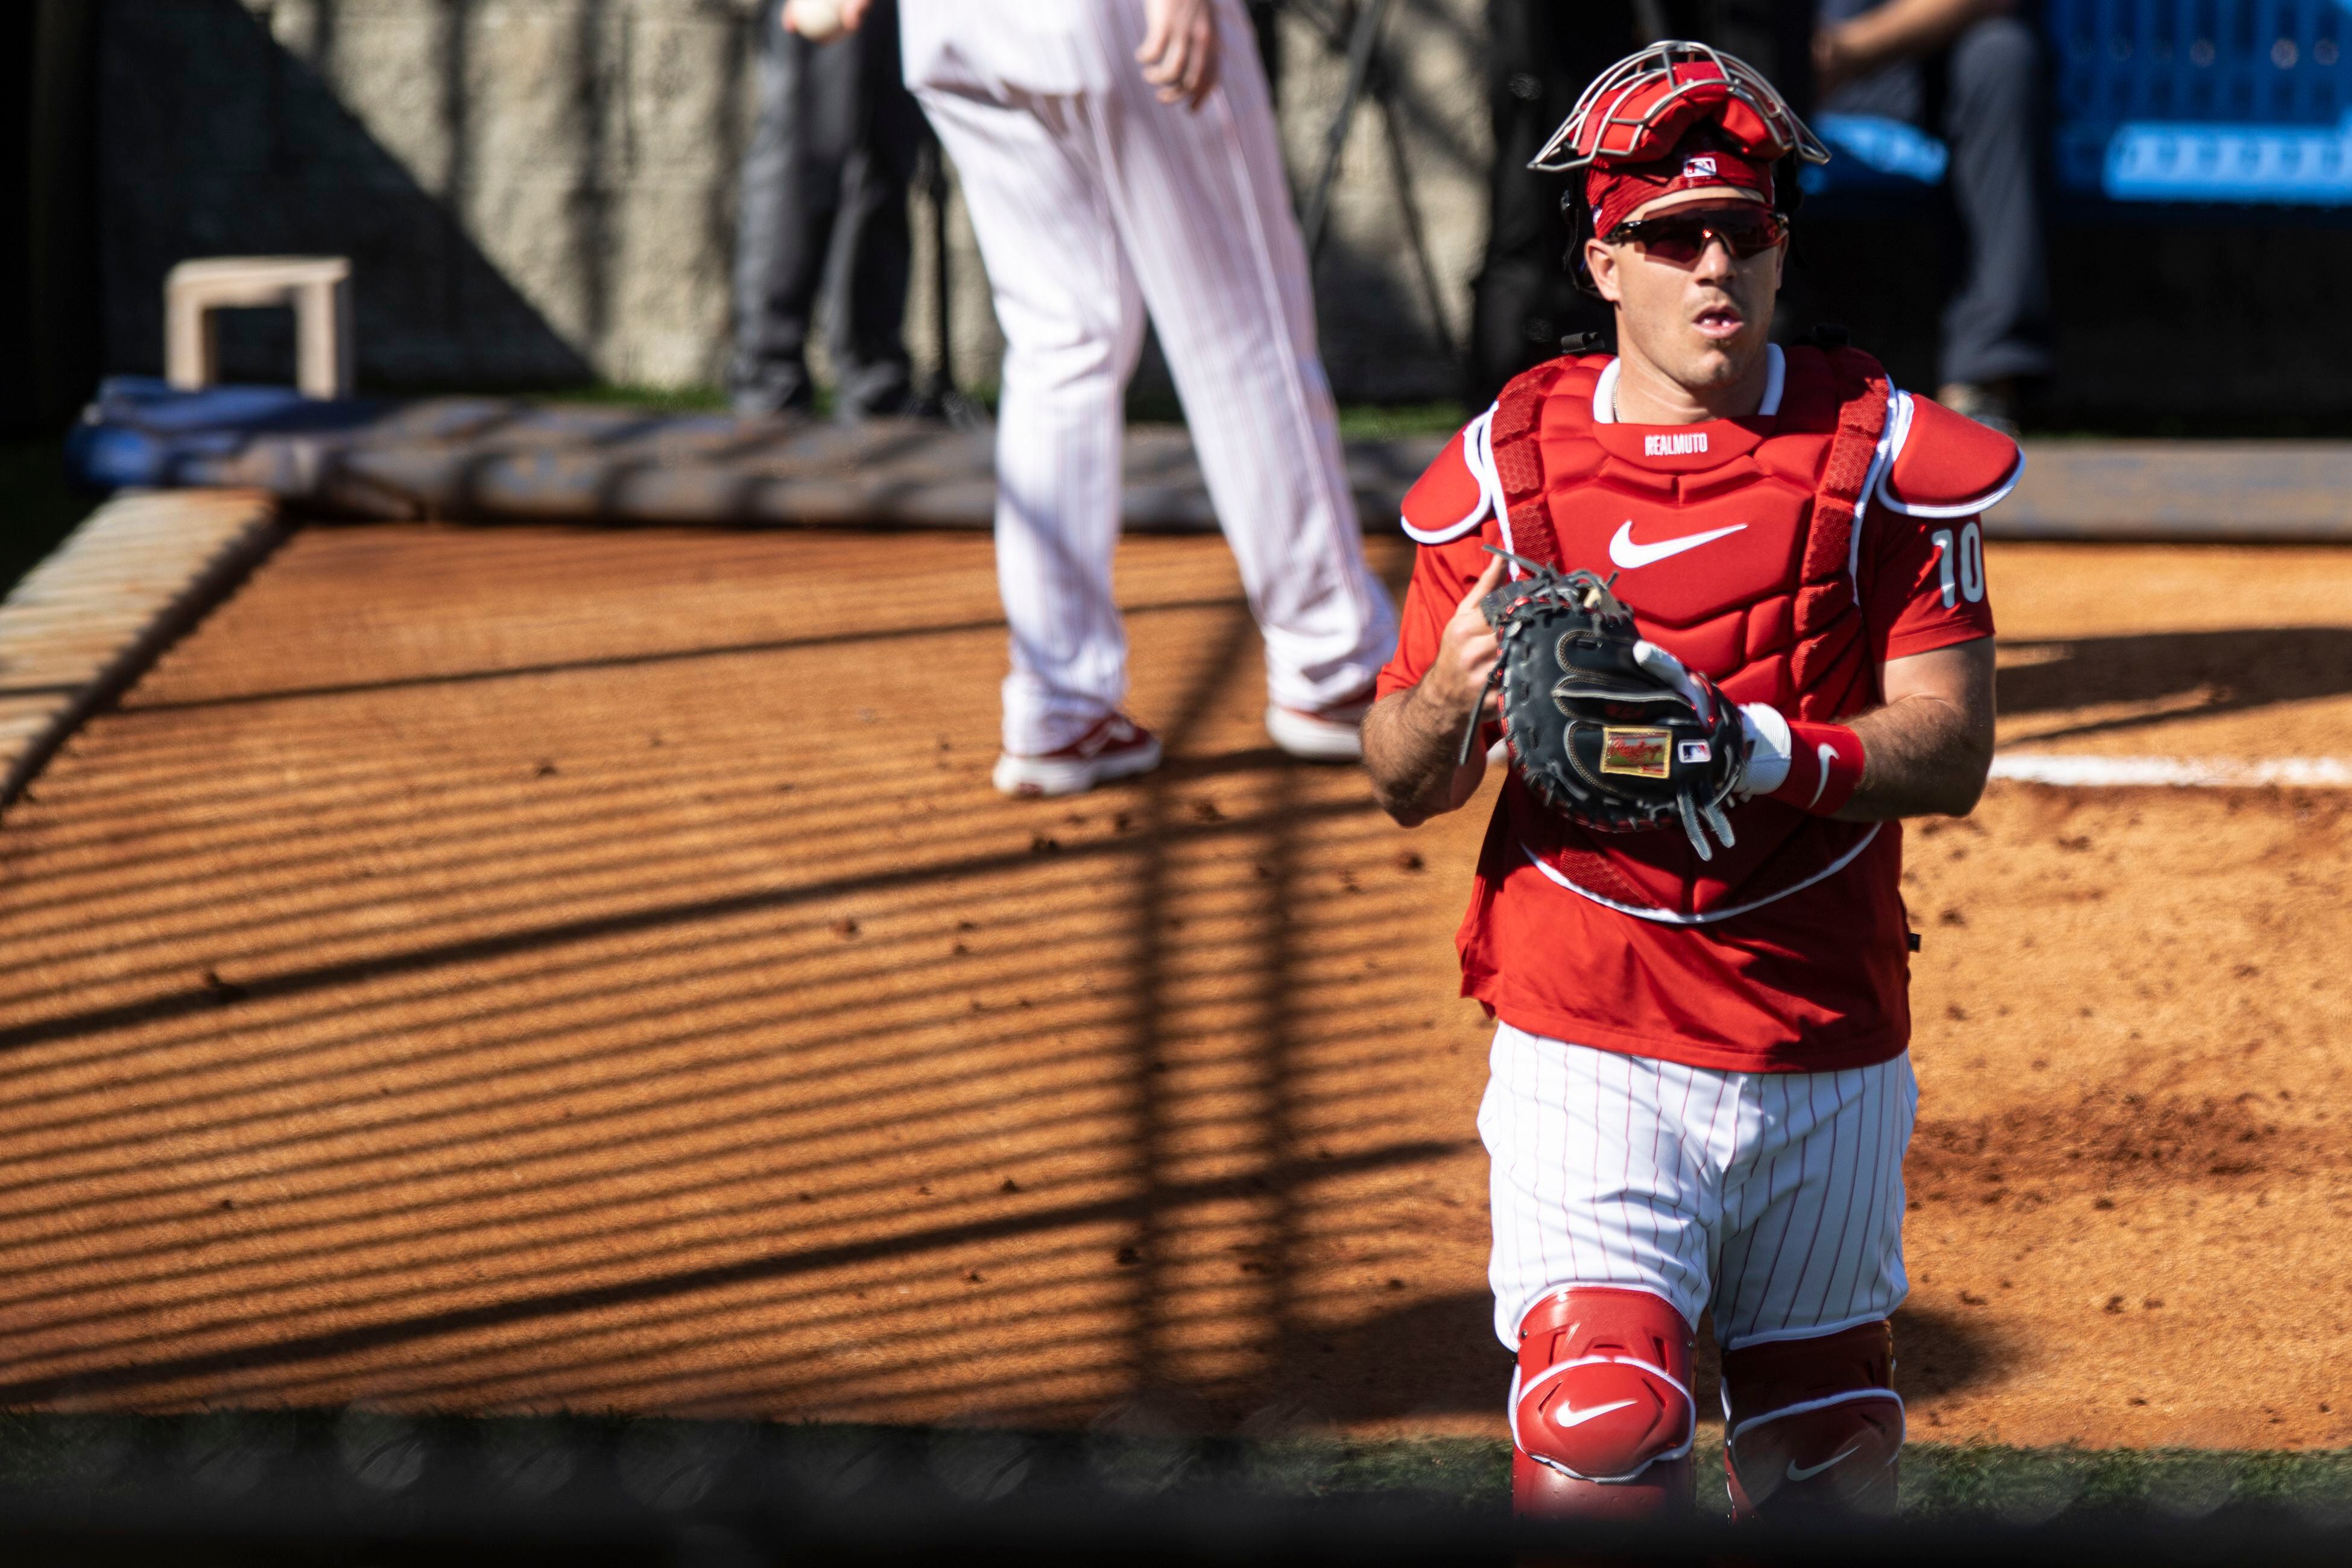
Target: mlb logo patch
1639,752
1701,167
1694,751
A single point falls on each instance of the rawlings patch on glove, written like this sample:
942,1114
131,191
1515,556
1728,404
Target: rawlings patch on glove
1605,728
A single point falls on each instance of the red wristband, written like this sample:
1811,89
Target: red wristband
1824,767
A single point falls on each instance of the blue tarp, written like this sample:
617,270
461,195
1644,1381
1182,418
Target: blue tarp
139,431
1870,154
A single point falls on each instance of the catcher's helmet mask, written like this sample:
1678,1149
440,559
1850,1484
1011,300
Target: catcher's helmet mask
1617,117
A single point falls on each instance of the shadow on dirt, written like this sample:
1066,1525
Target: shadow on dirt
2197,674
1430,1357
1938,1352
1440,1357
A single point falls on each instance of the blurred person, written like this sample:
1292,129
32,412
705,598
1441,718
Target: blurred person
1539,55
824,199
1970,72
1700,1088
1120,156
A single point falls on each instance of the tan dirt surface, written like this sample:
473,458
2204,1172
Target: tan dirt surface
520,969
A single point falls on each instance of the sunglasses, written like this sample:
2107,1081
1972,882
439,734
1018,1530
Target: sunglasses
1681,238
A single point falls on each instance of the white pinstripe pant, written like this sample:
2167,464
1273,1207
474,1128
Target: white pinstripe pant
1089,207
1774,1198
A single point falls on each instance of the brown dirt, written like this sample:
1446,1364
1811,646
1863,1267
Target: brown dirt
495,970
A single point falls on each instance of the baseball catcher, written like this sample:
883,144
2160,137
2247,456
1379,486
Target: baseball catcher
1721,604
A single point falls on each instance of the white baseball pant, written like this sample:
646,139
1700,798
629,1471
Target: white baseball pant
1774,1198
1091,206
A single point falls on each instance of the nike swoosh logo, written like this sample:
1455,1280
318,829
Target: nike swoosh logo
1798,1473
1624,553
1827,754
1574,1417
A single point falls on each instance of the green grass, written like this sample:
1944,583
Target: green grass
1396,422
37,507
2022,1486
1472,1472
2028,1485
91,1454
661,399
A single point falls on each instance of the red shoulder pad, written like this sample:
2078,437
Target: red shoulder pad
1947,464
1451,497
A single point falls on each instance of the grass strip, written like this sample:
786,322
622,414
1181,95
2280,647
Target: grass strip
93,1455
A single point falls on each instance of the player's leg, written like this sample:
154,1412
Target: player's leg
1203,207
1073,326
1601,1408
1814,1424
868,296
788,198
1602,1204
1999,326
1810,1269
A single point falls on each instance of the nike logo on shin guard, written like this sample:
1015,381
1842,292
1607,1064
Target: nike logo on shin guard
1806,1472
1568,1417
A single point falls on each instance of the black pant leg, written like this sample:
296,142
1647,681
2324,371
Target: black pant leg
789,197
873,242
1999,325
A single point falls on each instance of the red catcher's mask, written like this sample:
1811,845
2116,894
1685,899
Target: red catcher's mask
1675,116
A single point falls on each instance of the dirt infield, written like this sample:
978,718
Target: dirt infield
507,970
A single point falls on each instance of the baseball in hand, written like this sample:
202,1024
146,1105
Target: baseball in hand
818,21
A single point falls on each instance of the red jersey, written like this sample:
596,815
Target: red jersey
1788,555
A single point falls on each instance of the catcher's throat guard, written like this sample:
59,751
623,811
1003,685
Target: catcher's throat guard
1603,726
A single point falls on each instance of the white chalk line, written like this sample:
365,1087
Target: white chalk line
2176,773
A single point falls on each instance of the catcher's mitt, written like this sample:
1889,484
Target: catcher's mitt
1605,728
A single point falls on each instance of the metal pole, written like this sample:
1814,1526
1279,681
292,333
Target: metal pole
1361,44
944,395
935,186
1417,241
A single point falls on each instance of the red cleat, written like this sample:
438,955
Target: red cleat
1116,748
1330,735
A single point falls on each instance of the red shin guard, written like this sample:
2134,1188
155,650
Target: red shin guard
1602,1414
1814,1424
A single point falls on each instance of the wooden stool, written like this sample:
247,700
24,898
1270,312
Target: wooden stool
317,287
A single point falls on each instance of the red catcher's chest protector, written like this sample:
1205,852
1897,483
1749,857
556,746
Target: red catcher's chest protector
1735,544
